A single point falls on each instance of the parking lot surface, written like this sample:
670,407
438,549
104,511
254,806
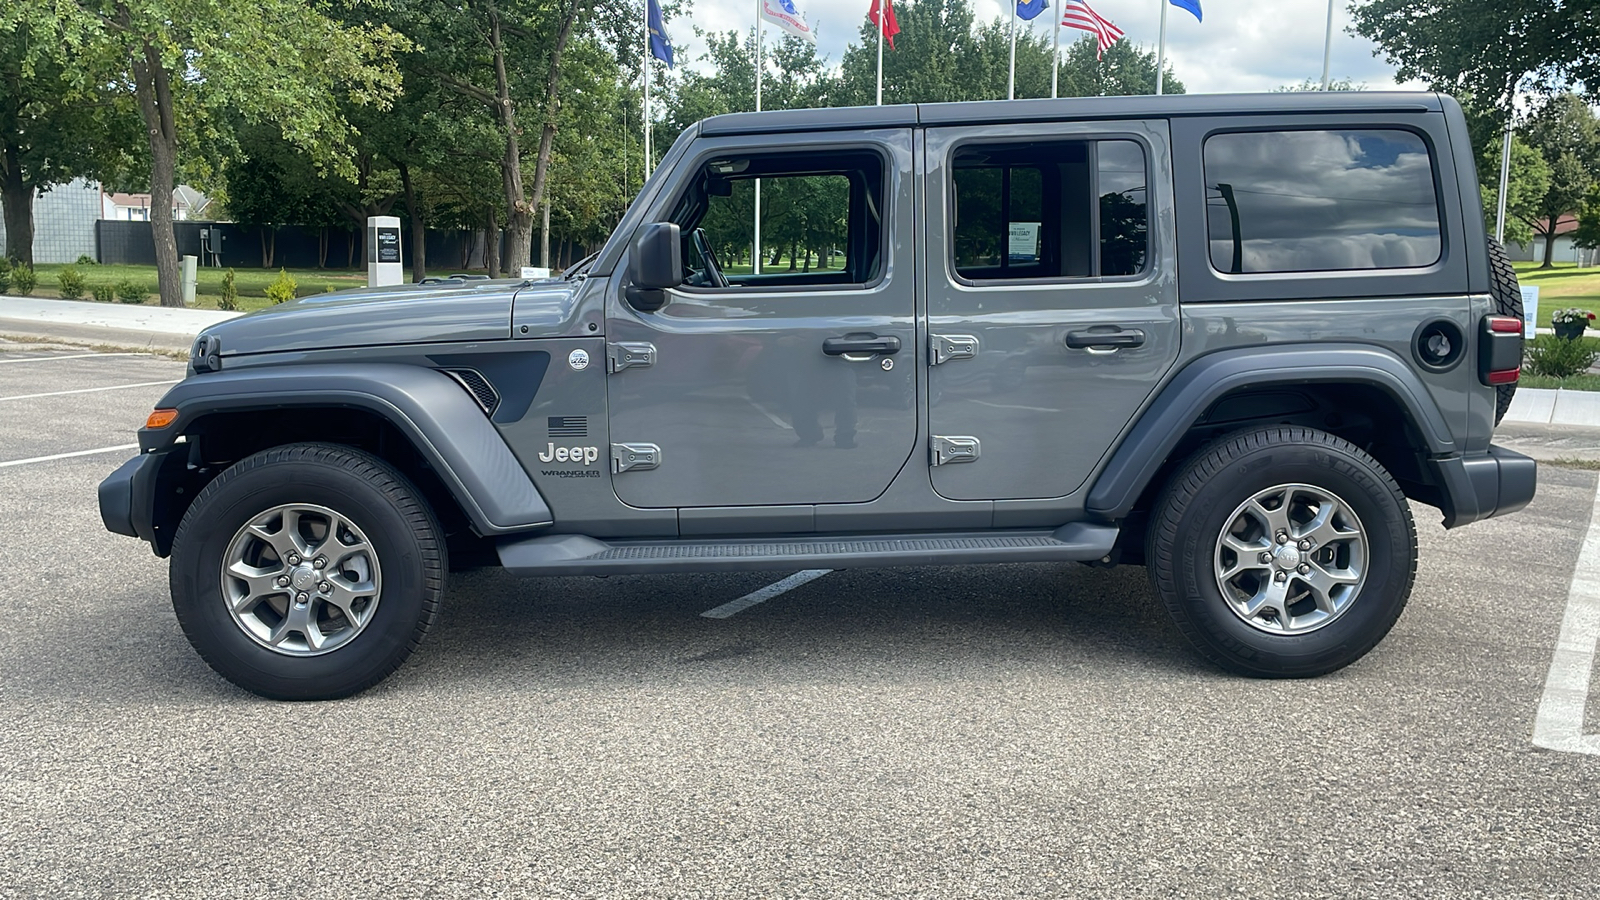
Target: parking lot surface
1026,730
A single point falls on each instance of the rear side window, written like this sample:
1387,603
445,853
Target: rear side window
1058,209
1305,201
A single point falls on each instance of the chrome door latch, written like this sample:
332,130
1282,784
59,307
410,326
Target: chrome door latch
953,449
628,354
945,347
627,457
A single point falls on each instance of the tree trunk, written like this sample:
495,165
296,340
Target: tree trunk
491,246
350,249
467,239
419,229
1550,244
154,89
519,211
544,238
552,104
269,245
322,247
17,198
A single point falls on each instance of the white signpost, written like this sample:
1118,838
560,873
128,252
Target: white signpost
1530,310
383,251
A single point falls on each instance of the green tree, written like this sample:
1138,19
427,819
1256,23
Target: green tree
1566,134
1588,234
1527,182
1465,47
281,61
49,135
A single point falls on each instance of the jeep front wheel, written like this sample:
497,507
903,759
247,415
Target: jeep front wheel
1283,552
307,572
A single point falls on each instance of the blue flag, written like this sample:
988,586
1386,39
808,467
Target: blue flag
660,47
1191,5
1028,10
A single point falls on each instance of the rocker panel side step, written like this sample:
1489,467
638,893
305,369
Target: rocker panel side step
576,554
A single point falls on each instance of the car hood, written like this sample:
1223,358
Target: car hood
401,314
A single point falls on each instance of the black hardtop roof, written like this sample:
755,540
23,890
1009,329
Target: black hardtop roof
984,112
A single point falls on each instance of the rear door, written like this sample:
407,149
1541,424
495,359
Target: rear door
787,377
1052,299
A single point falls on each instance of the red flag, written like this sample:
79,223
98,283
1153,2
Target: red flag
889,26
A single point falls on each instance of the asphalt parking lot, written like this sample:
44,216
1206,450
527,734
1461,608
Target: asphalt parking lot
1030,730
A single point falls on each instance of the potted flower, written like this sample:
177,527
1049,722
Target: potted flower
1569,323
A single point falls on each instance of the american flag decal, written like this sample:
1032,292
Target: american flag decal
569,426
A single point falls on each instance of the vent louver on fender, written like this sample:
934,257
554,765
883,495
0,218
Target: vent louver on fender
478,386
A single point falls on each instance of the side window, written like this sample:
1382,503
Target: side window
821,221
1305,201
1058,209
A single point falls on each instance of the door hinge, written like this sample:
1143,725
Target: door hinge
628,354
945,347
953,449
625,457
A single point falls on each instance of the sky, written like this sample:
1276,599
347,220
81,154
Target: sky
1243,45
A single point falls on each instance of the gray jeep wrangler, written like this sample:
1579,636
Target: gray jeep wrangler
1224,337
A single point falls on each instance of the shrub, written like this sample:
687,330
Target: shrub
23,279
1557,358
230,294
72,283
130,291
104,293
5,275
85,259
283,289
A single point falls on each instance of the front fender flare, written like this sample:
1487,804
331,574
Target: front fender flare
442,422
1201,383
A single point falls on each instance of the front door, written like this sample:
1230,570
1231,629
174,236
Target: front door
783,371
1051,299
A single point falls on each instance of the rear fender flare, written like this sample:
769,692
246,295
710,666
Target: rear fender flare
1202,382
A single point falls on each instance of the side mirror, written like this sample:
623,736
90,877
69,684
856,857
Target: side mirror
655,263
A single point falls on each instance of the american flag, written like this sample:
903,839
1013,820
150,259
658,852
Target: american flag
1077,14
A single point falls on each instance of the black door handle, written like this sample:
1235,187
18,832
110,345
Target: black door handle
1105,337
861,342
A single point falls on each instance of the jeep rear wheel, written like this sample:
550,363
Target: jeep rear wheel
307,572
1283,552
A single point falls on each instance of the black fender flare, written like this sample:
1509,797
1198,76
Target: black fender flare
442,422
1202,382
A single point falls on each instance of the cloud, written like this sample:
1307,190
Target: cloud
1241,46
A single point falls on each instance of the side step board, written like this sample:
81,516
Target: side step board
576,554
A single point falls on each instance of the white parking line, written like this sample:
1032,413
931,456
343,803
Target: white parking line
40,459
114,387
71,356
765,594
1559,723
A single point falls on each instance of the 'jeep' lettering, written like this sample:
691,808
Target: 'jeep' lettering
585,455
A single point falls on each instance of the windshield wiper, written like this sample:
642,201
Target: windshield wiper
581,266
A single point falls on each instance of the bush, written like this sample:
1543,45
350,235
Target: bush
72,283
283,290
5,275
230,294
130,291
85,259
104,293
23,279
1558,358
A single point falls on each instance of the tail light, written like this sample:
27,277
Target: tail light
1500,351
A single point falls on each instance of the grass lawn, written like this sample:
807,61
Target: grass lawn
1560,287
251,283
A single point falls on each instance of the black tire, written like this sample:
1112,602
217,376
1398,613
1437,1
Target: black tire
400,528
1507,302
1199,502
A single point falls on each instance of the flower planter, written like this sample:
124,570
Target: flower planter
1569,331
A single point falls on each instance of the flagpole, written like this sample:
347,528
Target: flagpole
1011,78
881,27
1055,52
1327,47
1161,51
644,67
1505,176
755,247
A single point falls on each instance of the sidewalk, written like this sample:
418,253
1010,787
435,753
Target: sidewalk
121,325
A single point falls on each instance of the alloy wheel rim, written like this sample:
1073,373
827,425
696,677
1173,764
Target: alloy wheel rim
1291,559
301,579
